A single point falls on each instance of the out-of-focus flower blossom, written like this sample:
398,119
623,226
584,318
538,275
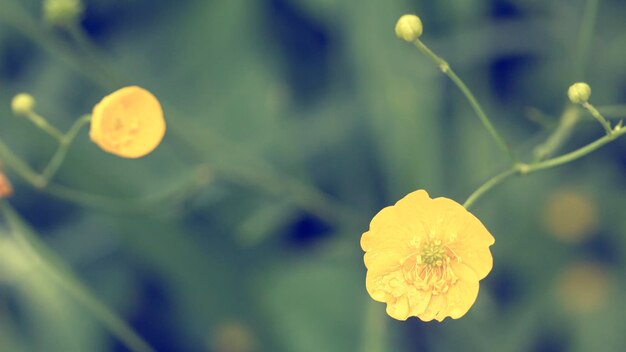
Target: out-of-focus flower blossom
584,287
128,123
232,337
570,216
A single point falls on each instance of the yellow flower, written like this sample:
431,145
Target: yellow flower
584,287
571,216
425,257
128,123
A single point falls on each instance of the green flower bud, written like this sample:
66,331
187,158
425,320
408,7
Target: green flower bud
409,28
579,93
62,12
22,104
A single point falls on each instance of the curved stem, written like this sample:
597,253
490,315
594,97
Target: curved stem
64,145
560,135
577,154
55,269
524,169
598,116
447,70
20,167
15,16
494,181
44,125
136,204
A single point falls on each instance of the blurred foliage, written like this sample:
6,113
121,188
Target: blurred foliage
311,116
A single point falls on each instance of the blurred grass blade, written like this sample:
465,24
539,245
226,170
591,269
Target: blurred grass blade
52,266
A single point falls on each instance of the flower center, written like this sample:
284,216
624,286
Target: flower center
429,267
124,130
433,253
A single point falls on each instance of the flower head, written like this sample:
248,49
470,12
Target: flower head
579,93
62,12
22,104
425,257
409,28
128,123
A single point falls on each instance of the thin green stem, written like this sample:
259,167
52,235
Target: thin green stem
577,154
20,167
598,116
569,118
485,187
525,169
44,125
64,145
93,52
169,196
560,135
447,70
49,263
15,16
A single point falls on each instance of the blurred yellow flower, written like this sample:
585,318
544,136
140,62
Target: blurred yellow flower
570,215
128,123
584,287
425,257
232,337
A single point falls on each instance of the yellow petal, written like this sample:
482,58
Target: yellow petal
462,295
435,305
418,301
399,309
477,258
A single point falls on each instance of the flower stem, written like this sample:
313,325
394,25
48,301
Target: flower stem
494,181
598,116
447,70
525,169
577,154
51,265
560,135
20,167
44,125
64,145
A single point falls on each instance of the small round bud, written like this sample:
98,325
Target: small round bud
579,93
62,12
22,104
409,28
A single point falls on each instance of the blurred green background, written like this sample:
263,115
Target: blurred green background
310,116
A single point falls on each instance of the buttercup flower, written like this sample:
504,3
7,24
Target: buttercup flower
128,123
425,257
